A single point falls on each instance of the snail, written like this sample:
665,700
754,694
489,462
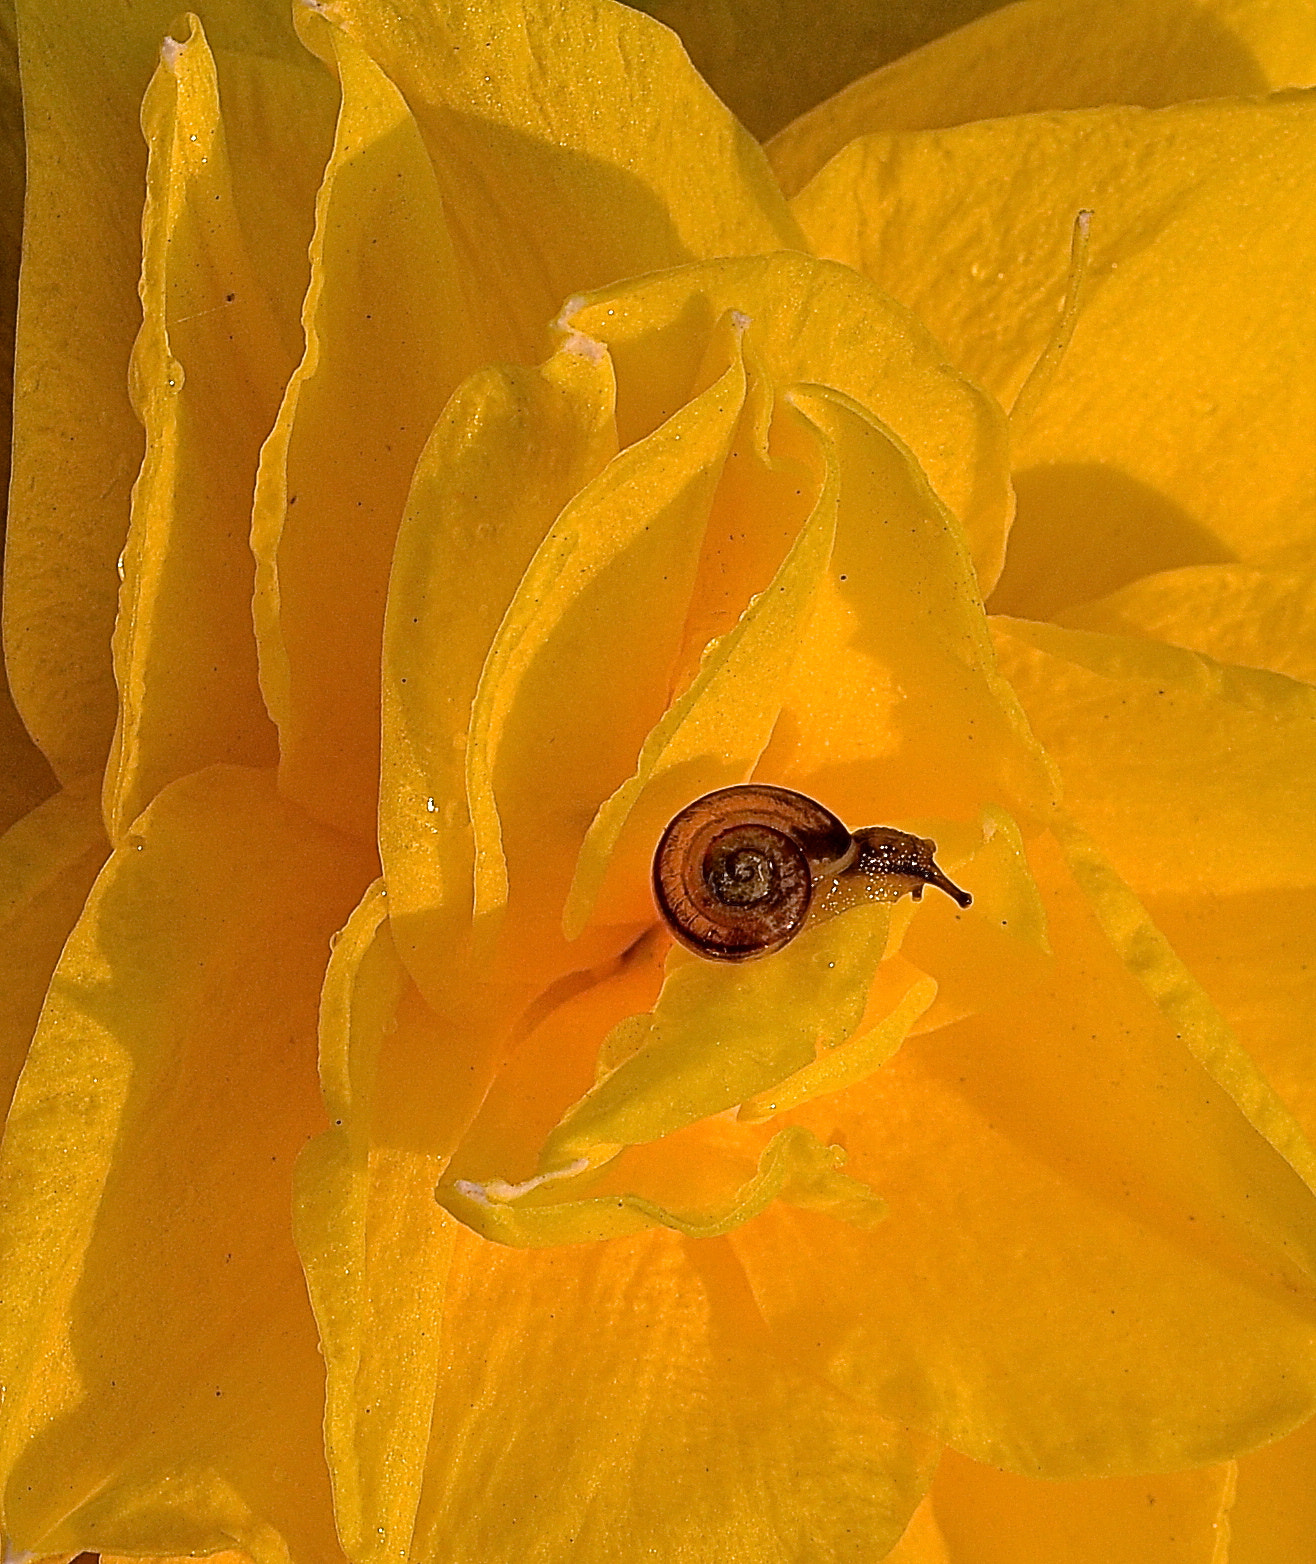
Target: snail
735,872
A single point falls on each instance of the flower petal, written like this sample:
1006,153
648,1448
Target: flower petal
387,339
1261,614
511,450
1061,54
47,864
770,60
688,1429
207,369
1255,955
1273,1518
77,445
1200,241
164,1392
992,1517
1193,775
375,1244
1075,1225
811,322
448,1433
894,709
626,165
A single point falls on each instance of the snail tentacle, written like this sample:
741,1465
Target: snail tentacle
735,871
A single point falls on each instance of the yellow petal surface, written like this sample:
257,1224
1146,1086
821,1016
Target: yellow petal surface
987,1516
1261,613
814,323
207,370
11,224
1104,1198
688,1430
387,339
374,1242
1062,54
25,775
770,60
513,447
626,164
894,708
164,1391
552,684
47,864
1194,337
448,1432
1193,775
78,445
1255,954
1273,1518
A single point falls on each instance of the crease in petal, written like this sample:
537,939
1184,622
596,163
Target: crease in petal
811,322
1136,727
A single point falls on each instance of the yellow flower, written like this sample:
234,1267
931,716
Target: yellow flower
508,452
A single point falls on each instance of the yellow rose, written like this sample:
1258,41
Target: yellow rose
525,454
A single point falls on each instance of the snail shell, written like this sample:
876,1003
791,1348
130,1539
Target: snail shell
735,871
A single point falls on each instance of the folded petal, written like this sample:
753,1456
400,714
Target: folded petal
821,324
164,1391
1061,54
387,339
1195,333
1075,1224
207,370
987,1516
627,164
77,444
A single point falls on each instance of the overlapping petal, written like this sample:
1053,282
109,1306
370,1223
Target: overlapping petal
78,445
163,1388
727,511
980,1515
625,164
1079,53
1194,333
448,1431
770,60
1068,1153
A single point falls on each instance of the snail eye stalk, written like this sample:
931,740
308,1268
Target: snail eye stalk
735,872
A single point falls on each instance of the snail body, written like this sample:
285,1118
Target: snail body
735,872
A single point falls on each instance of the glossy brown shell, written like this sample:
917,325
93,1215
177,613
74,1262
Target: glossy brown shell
734,871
